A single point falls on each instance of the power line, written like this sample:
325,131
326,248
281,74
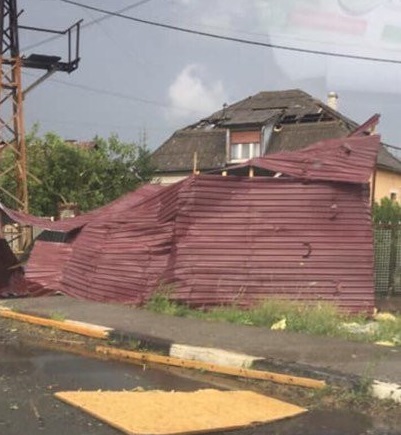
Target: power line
231,39
120,95
392,146
90,23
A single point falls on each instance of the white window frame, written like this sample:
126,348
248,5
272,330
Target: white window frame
254,151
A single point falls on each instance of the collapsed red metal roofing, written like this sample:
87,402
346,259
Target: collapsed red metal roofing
351,159
115,207
232,239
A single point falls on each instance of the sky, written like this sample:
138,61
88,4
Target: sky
144,81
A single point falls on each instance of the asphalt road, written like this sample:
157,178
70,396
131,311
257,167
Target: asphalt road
29,377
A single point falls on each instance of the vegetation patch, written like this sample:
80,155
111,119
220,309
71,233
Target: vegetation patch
308,318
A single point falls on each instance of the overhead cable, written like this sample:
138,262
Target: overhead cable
230,38
90,23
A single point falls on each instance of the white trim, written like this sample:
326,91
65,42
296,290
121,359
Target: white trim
252,150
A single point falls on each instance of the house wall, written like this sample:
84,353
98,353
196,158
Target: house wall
387,182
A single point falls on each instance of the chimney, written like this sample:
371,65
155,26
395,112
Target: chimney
332,100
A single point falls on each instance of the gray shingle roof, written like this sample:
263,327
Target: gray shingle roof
293,137
177,153
302,120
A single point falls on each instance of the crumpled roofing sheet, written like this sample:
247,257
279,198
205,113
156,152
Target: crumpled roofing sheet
231,239
350,159
120,204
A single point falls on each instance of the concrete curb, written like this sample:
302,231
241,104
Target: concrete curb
380,390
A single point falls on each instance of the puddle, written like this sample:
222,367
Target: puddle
31,375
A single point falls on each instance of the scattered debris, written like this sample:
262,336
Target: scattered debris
357,328
384,317
280,325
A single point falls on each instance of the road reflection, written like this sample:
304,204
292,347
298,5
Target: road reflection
29,376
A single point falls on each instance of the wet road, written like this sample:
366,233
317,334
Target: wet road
30,376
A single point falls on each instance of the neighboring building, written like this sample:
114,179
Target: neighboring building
266,123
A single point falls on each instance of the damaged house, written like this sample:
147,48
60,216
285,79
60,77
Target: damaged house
298,228
261,125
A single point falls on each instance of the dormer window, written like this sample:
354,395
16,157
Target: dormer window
244,145
244,151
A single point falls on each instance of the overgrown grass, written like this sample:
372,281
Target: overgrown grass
321,319
162,303
309,318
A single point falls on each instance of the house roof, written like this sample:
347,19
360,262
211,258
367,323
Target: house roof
177,153
301,120
293,102
386,160
294,137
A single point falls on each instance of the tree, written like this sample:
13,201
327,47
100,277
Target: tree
60,172
387,212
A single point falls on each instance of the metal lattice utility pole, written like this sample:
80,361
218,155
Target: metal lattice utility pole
11,101
12,94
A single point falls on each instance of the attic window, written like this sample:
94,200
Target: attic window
244,151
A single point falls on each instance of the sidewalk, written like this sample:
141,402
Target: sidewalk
319,357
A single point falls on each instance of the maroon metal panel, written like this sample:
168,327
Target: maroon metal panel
231,239
123,203
123,258
247,239
350,159
44,269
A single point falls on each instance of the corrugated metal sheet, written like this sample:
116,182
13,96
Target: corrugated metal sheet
7,261
119,205
45,268
241,240
234,239
227,239
122,259
350,159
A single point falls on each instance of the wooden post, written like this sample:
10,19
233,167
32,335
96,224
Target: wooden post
195,170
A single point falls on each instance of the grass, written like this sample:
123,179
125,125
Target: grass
58,316
318,319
